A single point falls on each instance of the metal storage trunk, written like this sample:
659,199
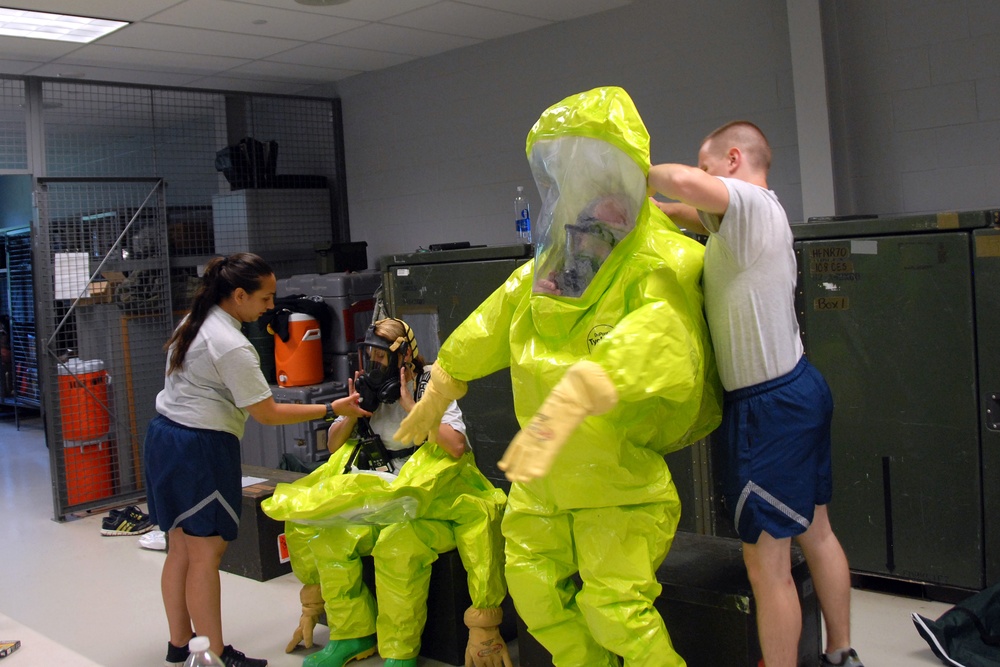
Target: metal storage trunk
264,445
708,607
900,315
434,292
259,551
351,297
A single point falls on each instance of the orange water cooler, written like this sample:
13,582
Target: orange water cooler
299,361
86,423
83,400
88,471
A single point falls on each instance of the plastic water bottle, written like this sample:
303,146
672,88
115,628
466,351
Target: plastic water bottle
522,216
201,655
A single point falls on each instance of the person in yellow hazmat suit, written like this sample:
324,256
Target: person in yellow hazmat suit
611,369
403,506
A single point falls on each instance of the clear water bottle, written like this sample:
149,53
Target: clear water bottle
522,216
201,654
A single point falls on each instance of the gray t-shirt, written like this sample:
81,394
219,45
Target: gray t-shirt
750,275
219,378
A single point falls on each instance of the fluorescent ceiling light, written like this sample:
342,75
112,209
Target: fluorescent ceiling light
62,27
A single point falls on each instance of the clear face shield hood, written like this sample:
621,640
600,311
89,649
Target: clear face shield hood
592,193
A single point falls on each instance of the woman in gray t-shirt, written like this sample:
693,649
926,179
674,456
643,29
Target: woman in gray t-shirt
192,448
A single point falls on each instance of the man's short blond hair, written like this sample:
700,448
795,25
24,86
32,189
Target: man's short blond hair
747,137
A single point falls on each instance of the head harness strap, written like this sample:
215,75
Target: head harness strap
407,338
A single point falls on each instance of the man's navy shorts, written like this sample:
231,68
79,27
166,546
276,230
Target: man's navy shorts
777,440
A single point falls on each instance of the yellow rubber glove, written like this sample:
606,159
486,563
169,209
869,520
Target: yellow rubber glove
486,648
312,607
424,419
584,390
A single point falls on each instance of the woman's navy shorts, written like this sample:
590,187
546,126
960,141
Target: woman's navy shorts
777,440
193,479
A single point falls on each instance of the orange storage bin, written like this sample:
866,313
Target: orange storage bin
88,472
299,361
83,400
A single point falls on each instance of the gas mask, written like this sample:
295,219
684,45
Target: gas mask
589,241
592,193
380,362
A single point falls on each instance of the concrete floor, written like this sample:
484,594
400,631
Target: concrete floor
77,599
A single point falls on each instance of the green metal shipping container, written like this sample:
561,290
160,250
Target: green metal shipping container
898,314
434,292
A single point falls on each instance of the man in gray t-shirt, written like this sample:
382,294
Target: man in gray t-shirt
777,410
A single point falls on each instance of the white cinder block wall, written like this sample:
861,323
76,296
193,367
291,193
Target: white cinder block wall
914,104
435,147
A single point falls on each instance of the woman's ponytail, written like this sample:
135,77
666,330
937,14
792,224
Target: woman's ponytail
223,275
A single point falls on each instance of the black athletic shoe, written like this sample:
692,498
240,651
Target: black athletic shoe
234,658
176,655
128,521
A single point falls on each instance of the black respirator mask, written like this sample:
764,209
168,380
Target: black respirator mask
378,382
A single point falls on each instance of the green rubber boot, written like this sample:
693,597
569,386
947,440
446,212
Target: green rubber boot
394,662
339,652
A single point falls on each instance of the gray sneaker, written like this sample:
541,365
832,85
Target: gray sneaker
849,659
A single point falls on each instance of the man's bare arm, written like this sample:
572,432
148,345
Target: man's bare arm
691,186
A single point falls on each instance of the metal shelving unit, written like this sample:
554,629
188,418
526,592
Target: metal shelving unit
19,388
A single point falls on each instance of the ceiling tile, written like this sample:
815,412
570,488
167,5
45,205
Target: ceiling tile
362,10
340,57
193,40
291,72
551,10
254,84
308,47
240,17
398,39
27,48
121,75
130,10
16,66
97,55
455,18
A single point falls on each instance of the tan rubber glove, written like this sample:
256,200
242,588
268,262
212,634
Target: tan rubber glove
424,419
312,607
486,647
584,390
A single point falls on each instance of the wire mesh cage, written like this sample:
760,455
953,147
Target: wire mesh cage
104,311
13,125
135,191
281,175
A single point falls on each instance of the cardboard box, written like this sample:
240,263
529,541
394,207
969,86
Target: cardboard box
103,290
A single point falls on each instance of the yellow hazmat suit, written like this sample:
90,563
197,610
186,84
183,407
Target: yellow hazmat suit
437,503
615,285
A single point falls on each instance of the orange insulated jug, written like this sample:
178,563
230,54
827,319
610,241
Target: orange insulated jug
299,361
